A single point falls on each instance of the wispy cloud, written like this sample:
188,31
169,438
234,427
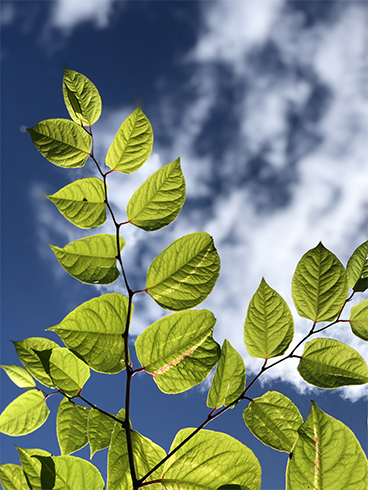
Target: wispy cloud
67,14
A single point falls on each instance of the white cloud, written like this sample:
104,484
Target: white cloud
67,14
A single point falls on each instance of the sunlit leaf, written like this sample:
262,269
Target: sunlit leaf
12,477
68,372
19,376
359,319
100,428
357,268
37,466
71,426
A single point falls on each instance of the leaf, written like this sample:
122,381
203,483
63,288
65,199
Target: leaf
359,319
82,202
31,361
209,460
94,330
183,275
19,376
100,428
35,468
12,477
357,268
269,325
159,199
328,363
91,260
178,350
274,420
71,426
319,287
62,142
67,371
229,380
132,144
326,455
75,473
25,414
81,98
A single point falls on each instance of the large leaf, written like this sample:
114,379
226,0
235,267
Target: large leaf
328,363
25,414
25,350
92,259
67,371
12,477
326,456
100,428
273,419
178,350
319,287
62,142
38,467
81,98
209,460
359,319
269,326
94,331
357,268
183,274
82,202
19,376
159,200
132,144
71,426
229,379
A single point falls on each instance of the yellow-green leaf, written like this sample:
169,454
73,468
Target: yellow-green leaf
359,319
71,426
19,376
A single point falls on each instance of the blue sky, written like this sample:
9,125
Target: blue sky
265,102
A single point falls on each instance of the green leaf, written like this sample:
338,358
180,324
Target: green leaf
81,98
319,287
67,371
12,477
357,268
146,455
274,420
100,428
269,325
91,260
132,144
71,426
35,467
25,414
178,350
209,460
62,142
233,487
359,319
326,456
328,363
159,200
82,202
183,275
19,376
229,379
94,330
31,361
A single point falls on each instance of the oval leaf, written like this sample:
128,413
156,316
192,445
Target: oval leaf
91,260
319,287
12,477
274,420
132,144
159,200
269,325
38,468
82,202
359,319
326,455
67,371
328,363
19,376
100,428
357,268
75,473
62,142
71,426
183,275
25,414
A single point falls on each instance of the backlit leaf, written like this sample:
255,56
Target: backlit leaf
71,426
359,319
19,376
12,477
357,268
68,372
100,428
36,468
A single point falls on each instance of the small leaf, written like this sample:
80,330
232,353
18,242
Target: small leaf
67,371
328,363
326,455
269,325
357,268
81,98
82,202
94,330
35,470
91,260
184,274
132,144
274,420
100,428
62,142
229,380
71,426
25,414
359,319
159,200
19,376
319,287
12,477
